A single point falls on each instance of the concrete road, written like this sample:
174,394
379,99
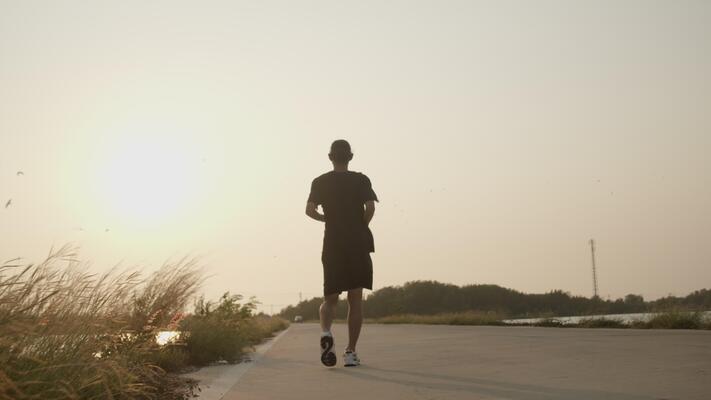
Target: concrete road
459,362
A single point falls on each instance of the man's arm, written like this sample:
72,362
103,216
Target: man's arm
311,211
369,211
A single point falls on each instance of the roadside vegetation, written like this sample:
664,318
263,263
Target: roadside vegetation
222,331
673,319
463,318
66,333
665,320
430,302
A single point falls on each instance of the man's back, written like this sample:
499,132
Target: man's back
342,195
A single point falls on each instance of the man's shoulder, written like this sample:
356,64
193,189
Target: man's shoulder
330,174
362,176
321,177
358,178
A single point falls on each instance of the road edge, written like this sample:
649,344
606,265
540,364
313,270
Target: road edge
216,381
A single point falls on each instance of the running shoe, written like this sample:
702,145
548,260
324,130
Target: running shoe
328,357
350,359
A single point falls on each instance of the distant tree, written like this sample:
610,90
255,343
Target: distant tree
634,303
700,299
432,297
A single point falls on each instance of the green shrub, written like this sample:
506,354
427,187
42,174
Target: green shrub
219,331
264,326
676,320
600,323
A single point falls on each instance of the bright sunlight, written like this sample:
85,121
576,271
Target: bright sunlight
149,178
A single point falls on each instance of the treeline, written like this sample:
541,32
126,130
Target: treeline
431,297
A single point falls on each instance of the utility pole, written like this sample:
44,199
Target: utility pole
594,269
300,298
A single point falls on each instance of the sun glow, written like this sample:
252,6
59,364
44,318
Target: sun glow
149,179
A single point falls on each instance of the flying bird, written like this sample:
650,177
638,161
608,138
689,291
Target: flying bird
8,203
20,173
106,230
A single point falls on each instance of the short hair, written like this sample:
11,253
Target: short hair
340,151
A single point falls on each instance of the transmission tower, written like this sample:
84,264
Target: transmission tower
594,269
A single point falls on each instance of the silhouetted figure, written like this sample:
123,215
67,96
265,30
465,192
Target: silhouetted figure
348,202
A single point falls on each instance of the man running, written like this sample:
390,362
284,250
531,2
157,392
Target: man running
348,204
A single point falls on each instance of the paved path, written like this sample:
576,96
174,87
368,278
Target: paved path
459,362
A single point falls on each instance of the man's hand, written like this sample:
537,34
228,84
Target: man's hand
311,211
369,211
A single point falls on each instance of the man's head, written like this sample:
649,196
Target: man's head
340,152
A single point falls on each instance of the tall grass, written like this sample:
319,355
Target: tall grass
266,326
601,323
665,320
675,319
66,333
460,318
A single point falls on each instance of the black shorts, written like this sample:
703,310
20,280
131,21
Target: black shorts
343,271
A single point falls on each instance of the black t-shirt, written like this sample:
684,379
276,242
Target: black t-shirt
342,195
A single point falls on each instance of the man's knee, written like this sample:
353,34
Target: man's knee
355,298
330,300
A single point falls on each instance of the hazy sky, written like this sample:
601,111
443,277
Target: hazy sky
500,137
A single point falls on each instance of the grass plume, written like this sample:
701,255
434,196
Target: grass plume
66,333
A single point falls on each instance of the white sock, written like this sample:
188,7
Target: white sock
326,333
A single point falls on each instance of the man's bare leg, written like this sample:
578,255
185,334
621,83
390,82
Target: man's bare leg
327,310
355,317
